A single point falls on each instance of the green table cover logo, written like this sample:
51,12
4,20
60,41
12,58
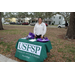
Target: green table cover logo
31,48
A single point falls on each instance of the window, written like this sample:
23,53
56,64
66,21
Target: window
54,17
46,21
54,21
33,21
59,17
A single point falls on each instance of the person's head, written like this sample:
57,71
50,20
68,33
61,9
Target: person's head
40,20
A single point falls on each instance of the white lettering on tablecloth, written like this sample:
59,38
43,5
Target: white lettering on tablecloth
26,56
35,49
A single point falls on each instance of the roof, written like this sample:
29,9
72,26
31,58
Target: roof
35,19
48,20
44,20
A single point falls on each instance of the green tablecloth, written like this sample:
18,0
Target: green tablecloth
32,51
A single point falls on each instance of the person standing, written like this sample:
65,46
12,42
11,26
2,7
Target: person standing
66,25
40,29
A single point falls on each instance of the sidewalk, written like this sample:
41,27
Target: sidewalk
5,59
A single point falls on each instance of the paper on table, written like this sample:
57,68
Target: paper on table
23,38
32,40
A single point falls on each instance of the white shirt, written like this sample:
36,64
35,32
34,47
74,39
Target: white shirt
40,29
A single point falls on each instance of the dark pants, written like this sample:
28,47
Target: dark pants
39,36
66,27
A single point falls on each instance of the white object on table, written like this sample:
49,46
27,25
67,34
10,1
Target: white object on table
24,38
32,40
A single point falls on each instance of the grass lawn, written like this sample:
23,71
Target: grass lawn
63,49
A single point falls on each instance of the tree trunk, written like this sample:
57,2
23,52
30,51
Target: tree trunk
71,29
1,27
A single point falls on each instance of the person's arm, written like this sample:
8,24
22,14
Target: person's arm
44,30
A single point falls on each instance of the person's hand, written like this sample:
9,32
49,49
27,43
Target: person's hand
35,36
41,37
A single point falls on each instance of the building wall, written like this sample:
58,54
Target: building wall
12,19
23,20
57,20
15,20
27,19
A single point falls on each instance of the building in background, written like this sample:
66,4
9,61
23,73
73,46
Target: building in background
54,20
16,20
57,19
22,20
27,19
9,20
12,19
34,20
48,21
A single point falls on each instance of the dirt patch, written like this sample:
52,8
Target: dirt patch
62,36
